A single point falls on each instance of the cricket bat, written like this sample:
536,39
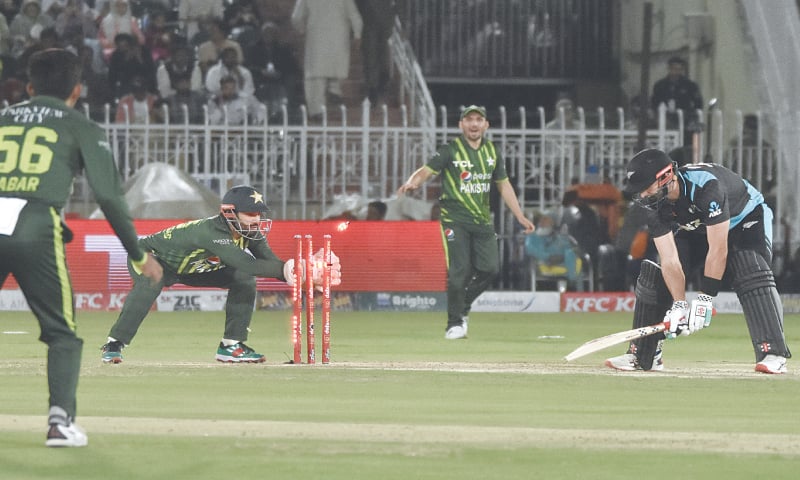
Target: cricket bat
613,339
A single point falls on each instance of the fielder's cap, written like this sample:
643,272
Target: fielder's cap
473,108
644,169
245,199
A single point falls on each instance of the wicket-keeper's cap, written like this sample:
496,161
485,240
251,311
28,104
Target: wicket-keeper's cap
644,169
473,108
245,199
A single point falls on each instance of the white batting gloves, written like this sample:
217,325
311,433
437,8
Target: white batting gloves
700,313
676,320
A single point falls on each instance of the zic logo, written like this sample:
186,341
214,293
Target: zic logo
449,234
466,176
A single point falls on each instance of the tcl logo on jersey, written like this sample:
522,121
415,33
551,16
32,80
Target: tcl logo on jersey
714,209
462,163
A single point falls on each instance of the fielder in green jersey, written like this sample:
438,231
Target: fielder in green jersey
225,251
468,166
44,144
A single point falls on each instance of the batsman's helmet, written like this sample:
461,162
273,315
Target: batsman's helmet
644,169
246,199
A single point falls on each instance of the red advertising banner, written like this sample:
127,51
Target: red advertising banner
375,256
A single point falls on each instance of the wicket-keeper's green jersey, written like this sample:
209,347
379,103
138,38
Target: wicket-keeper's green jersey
206,245
44,144
467,176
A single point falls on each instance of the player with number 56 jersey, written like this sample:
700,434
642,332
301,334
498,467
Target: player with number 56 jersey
44,145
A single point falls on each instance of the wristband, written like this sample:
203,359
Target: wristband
710,286
139,263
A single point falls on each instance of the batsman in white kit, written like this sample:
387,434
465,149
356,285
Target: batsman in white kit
702,216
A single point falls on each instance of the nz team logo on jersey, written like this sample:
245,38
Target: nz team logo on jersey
466,176
449,234
714,209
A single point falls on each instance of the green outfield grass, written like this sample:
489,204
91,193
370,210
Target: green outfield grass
400,402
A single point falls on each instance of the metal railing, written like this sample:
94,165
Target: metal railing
305,168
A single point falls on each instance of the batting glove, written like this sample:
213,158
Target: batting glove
676,320
700,313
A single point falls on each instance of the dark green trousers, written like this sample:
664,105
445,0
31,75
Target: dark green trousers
238,307
35,254
473,262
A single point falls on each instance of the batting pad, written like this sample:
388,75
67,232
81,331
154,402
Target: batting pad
652,302
754,284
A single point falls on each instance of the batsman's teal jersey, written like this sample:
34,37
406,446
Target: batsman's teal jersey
467,176
44,144
206,245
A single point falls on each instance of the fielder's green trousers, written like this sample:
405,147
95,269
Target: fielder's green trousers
473,262
35,254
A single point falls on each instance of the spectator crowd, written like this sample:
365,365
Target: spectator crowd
227,56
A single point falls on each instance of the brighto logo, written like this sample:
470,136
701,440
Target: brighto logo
413,301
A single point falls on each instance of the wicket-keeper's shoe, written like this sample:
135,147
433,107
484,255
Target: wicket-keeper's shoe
238,353
772,364
455,332
628,362
112,352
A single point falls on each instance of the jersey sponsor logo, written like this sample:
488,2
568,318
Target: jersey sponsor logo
33,113
466,176
222,241
714,209
462,163
449,234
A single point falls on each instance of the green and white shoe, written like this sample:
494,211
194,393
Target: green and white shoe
112,352
238,353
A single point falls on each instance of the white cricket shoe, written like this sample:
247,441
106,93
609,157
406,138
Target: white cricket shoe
628,363
66,436
455,333
465,324
772,364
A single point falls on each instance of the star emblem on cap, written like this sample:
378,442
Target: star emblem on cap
257,197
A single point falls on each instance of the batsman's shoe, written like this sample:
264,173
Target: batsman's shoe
66,436
772,364
112,352
455,333
238,353
465,324
628,362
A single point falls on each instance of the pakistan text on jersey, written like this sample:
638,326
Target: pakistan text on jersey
475,187
32,113
19,184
